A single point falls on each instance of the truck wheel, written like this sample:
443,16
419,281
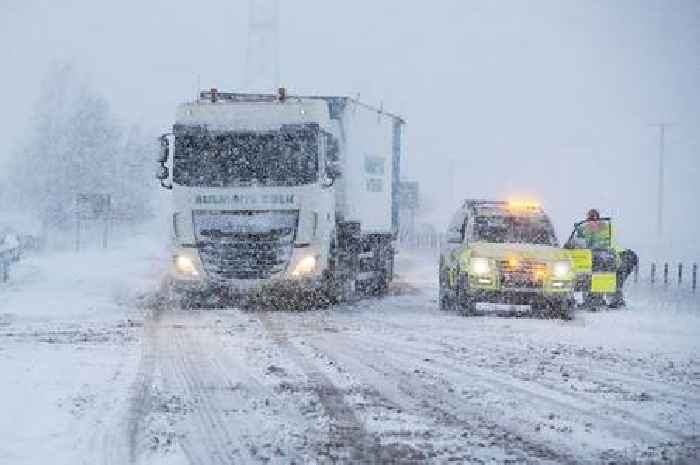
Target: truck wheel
592,302
380,284
444,298
616,300
174,297
334,286
338,285
464,301
561,308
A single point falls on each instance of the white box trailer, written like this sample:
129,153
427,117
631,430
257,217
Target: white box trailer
370,160
265,188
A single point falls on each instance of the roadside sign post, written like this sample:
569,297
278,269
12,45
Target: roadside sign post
92,207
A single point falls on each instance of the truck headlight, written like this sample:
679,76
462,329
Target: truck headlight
185,265
561,270
305,266
480,265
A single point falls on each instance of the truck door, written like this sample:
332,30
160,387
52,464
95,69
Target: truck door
590,248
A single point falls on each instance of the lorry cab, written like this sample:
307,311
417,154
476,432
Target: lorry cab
269,188
499,252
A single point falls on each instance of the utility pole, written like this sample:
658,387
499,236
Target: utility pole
262,54
660,192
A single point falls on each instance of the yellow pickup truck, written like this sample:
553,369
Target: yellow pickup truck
505,253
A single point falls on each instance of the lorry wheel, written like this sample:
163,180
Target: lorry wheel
592,302
561,308
380,284
338,288
332,289
464,301
444,299
616,300
174,297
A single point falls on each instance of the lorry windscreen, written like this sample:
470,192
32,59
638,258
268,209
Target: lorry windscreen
287,157
514,229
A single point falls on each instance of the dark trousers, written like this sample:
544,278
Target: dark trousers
628,261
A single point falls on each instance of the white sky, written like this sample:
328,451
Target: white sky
548,98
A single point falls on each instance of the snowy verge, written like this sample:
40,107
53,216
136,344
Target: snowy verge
70,328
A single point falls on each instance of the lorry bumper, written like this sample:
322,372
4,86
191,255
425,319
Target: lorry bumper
278,292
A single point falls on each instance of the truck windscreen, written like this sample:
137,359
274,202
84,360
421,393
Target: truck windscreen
514,229
224,159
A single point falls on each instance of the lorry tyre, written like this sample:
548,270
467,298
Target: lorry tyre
332,288
383,278
464,301
386,276
338,283
380,284
444,300
616,300
174,297
592,302
561,308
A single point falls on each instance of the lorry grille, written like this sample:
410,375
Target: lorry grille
526,274
247,256
244,244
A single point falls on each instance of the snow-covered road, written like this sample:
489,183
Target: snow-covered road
122,378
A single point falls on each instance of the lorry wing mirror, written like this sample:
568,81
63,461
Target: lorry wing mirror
163,173
164,153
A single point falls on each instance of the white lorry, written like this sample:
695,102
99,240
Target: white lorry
274,191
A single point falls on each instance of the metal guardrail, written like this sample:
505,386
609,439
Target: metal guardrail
666,275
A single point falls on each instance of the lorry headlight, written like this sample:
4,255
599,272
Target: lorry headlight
480,265
561,270
185,265
305,266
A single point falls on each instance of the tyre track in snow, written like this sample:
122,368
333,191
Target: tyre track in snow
607,372
630,423
117,441
114,441
608,375
167,348
140,400
209,441
549,394
242,417
417,396
566,355
661,440
348,441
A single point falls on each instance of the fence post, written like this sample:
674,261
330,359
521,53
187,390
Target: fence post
666,274
636,273
653,273
695,276
4,274
680,274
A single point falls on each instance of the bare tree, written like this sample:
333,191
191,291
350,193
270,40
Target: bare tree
76,145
